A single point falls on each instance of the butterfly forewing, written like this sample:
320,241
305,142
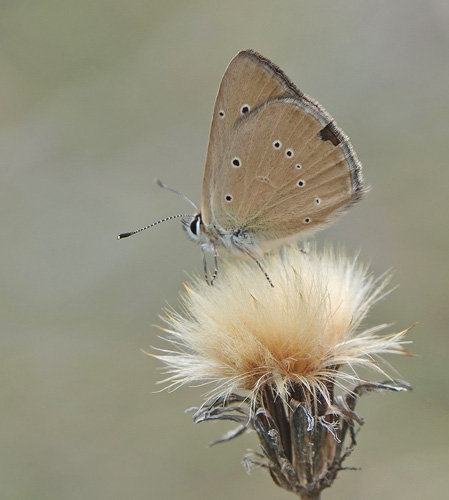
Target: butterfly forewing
249,81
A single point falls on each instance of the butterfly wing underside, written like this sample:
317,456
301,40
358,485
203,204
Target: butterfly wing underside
277,165
246,82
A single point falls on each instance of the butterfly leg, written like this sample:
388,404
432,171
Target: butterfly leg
206,271
215,265
305,248
260,266
210,281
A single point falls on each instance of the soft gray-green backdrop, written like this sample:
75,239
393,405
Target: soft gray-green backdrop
100,97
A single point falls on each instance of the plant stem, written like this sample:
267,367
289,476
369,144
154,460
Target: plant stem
311,496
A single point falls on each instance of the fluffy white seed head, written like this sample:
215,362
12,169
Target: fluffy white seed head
241,333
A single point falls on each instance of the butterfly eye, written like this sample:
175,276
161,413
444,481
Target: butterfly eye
228,198
221,113
236,162
244,109
307,220
195,225
298,166
277,144
289,153
301,183
317,201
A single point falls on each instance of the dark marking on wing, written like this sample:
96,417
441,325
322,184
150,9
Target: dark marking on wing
330,133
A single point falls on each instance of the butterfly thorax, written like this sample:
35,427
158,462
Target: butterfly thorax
236,241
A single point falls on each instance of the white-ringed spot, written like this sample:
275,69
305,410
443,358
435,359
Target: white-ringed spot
317,201
307,220
277,144
236,162
245,109
301,183
289,153
221,113
228,198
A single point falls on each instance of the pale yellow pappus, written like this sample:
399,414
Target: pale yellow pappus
241,334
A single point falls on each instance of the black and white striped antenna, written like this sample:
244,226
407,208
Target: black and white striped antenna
126,235
162,185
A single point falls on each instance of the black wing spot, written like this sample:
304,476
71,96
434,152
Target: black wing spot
244,109
277,144
221,113
301,183
236,162
228,198
307,220
330,133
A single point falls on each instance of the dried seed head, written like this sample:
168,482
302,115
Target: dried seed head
244,335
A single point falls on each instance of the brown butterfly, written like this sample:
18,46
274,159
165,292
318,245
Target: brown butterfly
278,167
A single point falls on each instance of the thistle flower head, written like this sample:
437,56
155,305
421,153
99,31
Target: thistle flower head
241,334
286,348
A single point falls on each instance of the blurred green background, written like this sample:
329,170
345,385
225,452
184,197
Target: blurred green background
100,97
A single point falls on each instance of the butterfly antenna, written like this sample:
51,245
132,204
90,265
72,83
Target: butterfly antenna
126,235
162,185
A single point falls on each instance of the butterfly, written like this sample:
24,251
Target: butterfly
278,167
